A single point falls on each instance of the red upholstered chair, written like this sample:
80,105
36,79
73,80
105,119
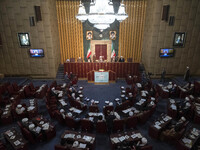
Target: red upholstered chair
196,88
118,125
16,87
172,113
153,132
58,116
131,122
181,146
7,120
28,93
107,108
51,133
72,59
101,126
87,125
196,118
60,147
27,134
93,108
153,109
71,123
32,88
11,90
144,117
2,146
146,147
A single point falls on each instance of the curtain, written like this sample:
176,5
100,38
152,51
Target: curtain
131,30
70,30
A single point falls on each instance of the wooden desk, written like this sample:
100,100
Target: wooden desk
16,140
121,69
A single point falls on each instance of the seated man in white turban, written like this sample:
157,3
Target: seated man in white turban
19,109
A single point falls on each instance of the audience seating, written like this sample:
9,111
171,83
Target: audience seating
60,147
94,108
131,122
118,125
28,93
146,147
101,126
71,122
86,125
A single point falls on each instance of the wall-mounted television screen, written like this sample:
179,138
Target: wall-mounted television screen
36,52
166,52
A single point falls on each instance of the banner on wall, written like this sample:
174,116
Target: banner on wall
89,52
113,51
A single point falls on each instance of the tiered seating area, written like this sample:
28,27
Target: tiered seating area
132,118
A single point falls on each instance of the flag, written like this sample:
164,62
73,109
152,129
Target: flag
113,51
89,52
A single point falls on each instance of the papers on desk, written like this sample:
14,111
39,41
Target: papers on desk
77,111
69,136
115,140
138,85
187,142
81,145
37,130
195,132
17,143
91,119
12,137
30,108
157,123
9,133
87,138
45,126
122,138
157,126
137,135
63,103
164,89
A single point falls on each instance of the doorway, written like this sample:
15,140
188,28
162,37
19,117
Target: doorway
101,50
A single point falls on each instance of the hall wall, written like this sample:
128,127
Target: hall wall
158,34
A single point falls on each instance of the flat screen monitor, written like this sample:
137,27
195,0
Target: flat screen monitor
36,52
166,52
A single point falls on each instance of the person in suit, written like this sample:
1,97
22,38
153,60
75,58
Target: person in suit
109,121
94,57
187,74
79,60
121,59
163,75
67,80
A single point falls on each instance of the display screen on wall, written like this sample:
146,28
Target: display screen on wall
24,39
166,52
36,52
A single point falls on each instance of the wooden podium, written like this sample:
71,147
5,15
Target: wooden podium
101,77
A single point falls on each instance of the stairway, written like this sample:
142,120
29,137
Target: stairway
60,74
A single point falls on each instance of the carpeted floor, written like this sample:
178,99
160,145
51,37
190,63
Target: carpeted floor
100,93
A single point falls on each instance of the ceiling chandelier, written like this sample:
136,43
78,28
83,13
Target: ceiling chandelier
101,13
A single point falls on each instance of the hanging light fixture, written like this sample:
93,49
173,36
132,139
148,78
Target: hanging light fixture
101,13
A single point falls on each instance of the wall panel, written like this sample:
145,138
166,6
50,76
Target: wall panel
70,30
131,30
